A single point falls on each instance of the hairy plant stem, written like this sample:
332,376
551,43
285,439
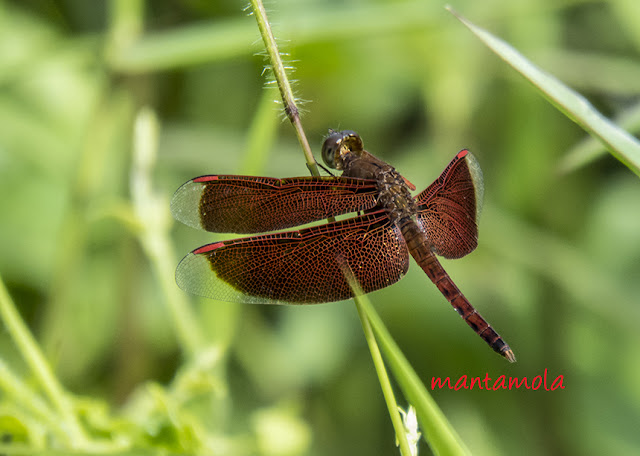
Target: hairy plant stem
280,74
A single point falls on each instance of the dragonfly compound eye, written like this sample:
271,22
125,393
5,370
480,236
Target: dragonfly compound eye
337,145
331,149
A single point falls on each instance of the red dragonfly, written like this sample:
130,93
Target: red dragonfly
306,266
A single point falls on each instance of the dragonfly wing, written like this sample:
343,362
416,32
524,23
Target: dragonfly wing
249,204
450,206
299,267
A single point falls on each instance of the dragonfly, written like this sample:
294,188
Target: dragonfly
307,266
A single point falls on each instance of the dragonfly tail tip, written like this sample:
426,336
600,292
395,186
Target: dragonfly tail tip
509,355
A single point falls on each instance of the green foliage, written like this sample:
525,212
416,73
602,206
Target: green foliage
115,359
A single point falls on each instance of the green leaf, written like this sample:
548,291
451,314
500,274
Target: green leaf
590,149
621,144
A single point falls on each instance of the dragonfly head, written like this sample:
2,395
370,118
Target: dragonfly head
338,145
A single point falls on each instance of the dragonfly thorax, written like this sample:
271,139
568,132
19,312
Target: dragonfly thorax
395,195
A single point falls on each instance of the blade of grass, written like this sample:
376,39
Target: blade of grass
621,144
383,377
438,432
590,149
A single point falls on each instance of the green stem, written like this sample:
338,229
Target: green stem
154,222
15,388
280,74
126,21
385,384
36,361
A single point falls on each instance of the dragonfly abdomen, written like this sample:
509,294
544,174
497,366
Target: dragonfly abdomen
420,249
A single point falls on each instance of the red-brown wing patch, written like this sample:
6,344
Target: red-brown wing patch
248,204
449,207
298,267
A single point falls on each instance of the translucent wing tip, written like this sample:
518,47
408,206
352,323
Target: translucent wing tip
476,177
195,275
185,204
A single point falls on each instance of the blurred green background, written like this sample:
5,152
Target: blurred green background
556,272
